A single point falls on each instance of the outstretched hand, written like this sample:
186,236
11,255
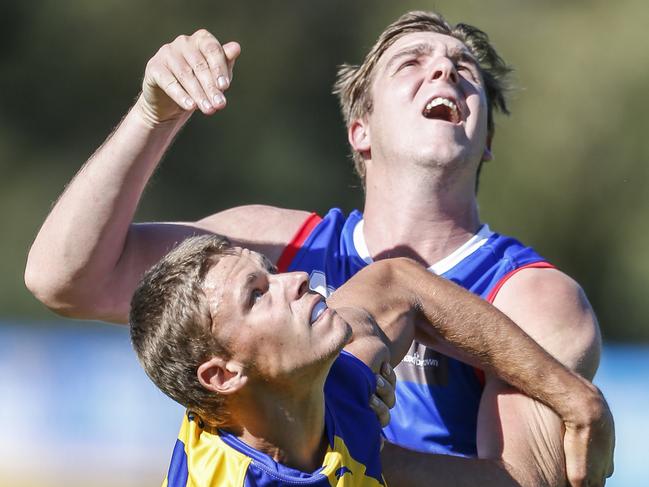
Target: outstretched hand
588,445
190,73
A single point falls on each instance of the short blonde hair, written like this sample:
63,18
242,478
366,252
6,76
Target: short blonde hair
353,82
171,325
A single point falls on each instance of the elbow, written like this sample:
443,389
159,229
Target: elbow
44,290
55,294
38,284
73,298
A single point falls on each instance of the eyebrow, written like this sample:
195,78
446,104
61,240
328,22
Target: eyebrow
266,264
425,49
244,290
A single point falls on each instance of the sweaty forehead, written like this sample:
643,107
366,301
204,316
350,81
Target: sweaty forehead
217,280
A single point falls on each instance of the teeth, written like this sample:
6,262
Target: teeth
438,100
318,309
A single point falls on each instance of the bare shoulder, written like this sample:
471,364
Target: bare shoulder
554,310
267,229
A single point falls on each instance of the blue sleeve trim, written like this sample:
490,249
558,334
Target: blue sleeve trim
362,367
178,473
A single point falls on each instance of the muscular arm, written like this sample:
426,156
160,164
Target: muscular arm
525,435
403,291
88,256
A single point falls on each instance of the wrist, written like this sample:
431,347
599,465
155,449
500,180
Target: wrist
147,115
588,406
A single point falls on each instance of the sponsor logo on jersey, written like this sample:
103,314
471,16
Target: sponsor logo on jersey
423,365
419,361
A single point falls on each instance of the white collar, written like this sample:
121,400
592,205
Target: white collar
440,267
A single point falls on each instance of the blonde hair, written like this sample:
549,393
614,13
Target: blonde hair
171,325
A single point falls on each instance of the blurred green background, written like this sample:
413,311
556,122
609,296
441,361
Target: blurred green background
569,178
570,173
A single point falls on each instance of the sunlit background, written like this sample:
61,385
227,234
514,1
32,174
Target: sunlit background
570,178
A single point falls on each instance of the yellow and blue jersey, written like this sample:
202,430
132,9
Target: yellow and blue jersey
437,397
211,459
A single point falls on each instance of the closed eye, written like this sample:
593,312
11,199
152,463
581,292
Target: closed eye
407,64
468,69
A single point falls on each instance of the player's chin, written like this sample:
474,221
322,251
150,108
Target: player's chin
341,334
339,329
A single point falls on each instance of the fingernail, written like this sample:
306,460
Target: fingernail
219,99
374,400
223,82
380,382
206,105
387,369
188,102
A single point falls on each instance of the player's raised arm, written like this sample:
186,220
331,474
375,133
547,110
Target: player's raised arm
88,256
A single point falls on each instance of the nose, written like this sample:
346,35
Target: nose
296,284
444,69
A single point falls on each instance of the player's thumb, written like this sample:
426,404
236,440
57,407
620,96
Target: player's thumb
232,50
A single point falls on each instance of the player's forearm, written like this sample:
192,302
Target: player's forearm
81,240
486,337
407,468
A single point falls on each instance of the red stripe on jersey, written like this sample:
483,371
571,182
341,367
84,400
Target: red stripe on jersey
536,265
492,295
297,241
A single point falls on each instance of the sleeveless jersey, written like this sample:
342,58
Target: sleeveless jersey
220,459
437,397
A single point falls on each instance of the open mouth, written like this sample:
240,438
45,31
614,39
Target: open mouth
442,108
317,310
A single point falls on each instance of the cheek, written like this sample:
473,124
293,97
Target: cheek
477,104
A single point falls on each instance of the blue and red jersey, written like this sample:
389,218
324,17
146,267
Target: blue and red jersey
437,396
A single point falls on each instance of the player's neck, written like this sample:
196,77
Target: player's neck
422,216
287,425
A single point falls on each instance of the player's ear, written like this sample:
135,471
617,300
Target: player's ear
359,136
222,376
487,155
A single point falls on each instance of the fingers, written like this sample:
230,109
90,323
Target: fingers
232,51
193,71
385,390
184,67
380,409
162,77
383,400
589,461
388,373
210,65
